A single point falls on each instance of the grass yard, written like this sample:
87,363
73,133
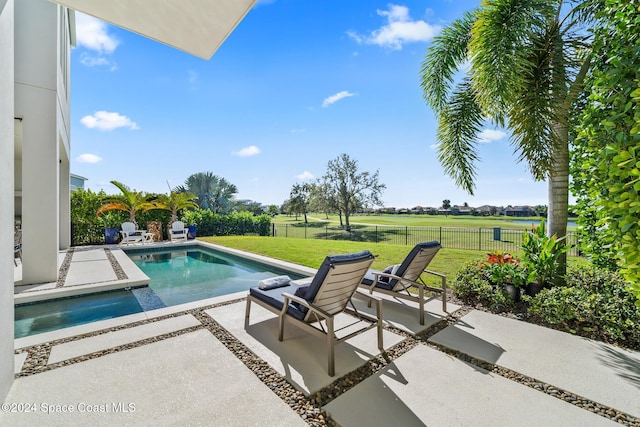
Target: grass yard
311,252
463,221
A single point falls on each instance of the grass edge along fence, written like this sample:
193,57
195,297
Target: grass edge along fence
480,239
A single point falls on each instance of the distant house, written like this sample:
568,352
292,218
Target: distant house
76,181
519,211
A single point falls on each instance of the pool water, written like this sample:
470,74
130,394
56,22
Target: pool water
177,276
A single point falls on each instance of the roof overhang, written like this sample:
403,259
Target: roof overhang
198,27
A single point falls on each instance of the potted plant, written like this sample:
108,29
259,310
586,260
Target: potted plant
502,269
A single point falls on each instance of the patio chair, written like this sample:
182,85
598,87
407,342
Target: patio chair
396,280
178,232
314,307
130,234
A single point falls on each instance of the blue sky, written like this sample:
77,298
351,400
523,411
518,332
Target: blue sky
298,83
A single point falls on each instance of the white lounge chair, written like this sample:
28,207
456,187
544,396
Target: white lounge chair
178,232
130,234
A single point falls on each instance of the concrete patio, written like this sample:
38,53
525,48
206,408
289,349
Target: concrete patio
201,364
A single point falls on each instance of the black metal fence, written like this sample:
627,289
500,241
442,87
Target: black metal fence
479,239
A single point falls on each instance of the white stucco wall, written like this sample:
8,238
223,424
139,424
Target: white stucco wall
41,100
6,195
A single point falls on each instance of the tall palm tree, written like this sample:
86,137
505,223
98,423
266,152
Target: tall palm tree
175,202
129,201
213,192
524,64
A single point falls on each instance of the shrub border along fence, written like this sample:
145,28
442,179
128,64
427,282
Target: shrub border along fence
479,239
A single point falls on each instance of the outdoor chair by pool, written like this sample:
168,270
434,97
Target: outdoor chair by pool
398,279
178,231
130,234
314,307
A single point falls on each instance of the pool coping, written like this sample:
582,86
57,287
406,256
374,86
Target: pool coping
134,277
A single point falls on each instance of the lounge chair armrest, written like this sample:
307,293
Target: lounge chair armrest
368,295
303,302
435,273
287,296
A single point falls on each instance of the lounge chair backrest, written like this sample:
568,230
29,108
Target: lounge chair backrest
415,263
336,280
128,227
177,226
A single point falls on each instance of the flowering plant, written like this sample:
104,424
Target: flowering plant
503,268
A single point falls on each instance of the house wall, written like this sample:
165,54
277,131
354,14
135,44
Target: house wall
41,99
6,194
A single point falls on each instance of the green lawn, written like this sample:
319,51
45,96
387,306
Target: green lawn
311,252
415,220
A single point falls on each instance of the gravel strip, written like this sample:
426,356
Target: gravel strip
64,268
117,268
310,409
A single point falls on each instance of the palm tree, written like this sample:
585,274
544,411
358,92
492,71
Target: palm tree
174,202
129,201
525,63
212,192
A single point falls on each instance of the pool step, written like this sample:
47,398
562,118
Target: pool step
147,299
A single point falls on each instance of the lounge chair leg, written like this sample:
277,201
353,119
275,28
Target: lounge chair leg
421,296
379,315
331,343
444,294
248,309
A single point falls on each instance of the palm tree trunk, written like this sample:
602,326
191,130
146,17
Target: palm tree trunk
558,212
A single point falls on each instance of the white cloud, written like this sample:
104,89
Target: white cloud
399,29
297,130
92,34
489,135
88,158
335,98
104,120
305,176
251,150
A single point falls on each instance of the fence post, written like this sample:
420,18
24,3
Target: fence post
305,231
406,235
440,235
286,230
479,239
376,235
273,230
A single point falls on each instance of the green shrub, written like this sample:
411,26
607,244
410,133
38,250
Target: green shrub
471,286
594,300
233,224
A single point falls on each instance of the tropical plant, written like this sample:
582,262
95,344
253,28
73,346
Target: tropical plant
525,62
174,202
501,268
129,201
542,256
213,192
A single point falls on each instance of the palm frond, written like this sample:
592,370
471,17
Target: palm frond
447,53
458,126
497,37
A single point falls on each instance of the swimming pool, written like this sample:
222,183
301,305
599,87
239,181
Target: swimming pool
178,275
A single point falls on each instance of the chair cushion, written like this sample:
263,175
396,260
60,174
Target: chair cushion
369,278
274,298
